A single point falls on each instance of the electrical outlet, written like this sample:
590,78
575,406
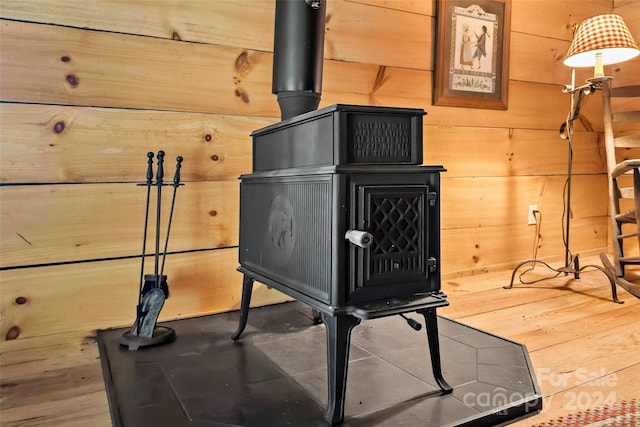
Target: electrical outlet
531,217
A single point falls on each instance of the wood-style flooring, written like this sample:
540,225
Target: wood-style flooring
585,349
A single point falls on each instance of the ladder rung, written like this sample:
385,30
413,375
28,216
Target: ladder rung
626,117
628,217
630,91
626,192
627,141
626,236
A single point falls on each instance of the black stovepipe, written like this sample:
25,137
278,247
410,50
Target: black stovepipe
298,50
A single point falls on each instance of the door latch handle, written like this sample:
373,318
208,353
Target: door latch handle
363,239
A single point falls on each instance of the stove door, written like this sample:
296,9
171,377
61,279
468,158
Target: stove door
398,263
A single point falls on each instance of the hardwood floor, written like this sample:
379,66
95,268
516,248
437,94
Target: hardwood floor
583,347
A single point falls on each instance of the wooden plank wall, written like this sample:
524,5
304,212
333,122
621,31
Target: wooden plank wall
88,88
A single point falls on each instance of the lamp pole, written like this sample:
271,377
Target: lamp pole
571,263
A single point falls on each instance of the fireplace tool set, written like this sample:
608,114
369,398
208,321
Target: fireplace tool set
153,287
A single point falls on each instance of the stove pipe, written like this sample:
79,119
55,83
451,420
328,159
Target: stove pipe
297,55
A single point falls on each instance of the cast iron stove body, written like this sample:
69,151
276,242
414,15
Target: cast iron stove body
340,215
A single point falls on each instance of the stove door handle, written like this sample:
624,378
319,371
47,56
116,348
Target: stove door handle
363,239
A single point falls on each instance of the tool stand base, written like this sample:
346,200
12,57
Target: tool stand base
161,335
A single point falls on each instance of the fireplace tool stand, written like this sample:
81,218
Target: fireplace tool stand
153,287
571,262
340,322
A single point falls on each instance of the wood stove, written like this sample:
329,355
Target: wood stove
339,214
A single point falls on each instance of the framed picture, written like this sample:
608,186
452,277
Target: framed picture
472,53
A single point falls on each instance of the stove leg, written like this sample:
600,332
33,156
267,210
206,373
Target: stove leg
247,287
431,321
338,342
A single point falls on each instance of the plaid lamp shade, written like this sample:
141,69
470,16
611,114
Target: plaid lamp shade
606,34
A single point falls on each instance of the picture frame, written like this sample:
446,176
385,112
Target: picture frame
472,53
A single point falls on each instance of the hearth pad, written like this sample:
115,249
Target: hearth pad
276,375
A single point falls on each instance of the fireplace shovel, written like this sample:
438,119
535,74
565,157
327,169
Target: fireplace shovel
153,287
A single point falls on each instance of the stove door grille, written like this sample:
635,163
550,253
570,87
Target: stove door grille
395,223
397,216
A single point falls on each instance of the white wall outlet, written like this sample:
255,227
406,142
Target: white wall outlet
531,217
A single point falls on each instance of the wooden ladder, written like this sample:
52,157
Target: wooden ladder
621,138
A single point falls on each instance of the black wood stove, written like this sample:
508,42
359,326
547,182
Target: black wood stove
338,212
339,215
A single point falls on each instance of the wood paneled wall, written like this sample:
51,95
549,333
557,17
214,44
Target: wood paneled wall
88,88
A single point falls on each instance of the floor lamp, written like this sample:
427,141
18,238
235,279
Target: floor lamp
600,40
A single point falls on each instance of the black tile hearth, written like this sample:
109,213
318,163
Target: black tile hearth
276,375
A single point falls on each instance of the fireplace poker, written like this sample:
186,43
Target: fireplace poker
144,239
176,184
159,178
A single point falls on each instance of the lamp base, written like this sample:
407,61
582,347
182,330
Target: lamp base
567,269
